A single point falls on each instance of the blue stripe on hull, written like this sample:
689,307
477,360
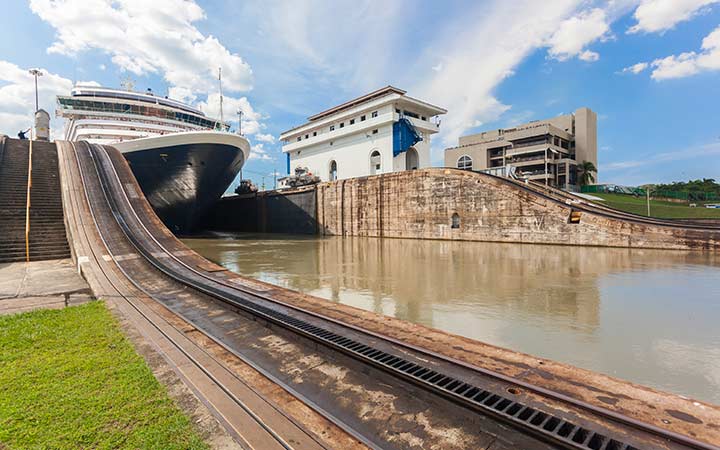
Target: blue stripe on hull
183,181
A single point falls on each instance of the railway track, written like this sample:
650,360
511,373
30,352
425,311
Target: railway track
550,417
237,405
580,204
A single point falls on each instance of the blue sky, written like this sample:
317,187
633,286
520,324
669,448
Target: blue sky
649,68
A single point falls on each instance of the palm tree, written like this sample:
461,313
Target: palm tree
587,169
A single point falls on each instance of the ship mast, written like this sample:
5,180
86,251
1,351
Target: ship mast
222,122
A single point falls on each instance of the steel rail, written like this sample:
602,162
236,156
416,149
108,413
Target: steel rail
174,342
623,215
328,415
671,222
27,202
599,210
603,412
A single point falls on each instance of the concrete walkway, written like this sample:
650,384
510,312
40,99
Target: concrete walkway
41,284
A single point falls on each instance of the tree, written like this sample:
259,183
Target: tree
587,169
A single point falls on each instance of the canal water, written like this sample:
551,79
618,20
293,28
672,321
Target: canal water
651,317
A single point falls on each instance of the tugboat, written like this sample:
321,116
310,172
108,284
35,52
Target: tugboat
182,159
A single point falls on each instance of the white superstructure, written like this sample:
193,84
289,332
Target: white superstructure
361,137
182,159
108,116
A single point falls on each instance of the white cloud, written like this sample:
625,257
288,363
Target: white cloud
259,152
690,63
636,68
250,118
269,138
575,33
316,37
589,56
702,151
17,97
660,15
147,37
87,84
477,54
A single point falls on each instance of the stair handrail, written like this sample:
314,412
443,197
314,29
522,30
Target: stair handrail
27,207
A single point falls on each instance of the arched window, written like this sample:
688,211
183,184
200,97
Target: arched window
333,170
455,221
464,162
412,160
375,163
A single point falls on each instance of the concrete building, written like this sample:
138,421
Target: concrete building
547,151
373,134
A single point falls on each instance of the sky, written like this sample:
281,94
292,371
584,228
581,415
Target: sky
649,68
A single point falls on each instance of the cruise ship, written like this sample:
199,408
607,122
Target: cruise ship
182,159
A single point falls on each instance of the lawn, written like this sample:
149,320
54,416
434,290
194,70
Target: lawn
69,379
658,208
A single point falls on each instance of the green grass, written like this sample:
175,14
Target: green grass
69,379
658,208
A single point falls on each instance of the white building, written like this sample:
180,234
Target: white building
365,136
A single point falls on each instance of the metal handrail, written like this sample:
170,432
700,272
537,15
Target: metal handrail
27,207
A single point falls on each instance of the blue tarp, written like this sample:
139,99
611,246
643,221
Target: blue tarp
404,136
288,163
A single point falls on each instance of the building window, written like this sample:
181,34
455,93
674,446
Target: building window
299,138
398,111
332,127
464,163
375,131
307,136
375,163
423,118
352,121
455,221
333,170
342,124
373,114
314,133
362,118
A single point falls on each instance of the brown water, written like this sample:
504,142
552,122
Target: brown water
651,317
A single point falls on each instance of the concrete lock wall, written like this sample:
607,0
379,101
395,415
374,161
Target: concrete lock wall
422,203
290,211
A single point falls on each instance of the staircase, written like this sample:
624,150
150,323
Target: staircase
47,227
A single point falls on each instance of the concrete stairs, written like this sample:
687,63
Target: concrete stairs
48,239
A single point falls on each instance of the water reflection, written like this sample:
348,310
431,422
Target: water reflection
646,316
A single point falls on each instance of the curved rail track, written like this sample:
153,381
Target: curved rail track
229,388
589,207
562,421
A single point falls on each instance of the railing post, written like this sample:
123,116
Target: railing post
27,207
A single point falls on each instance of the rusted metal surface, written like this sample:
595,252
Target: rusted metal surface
151,221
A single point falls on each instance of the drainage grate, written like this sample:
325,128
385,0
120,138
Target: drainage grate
523,416
491,403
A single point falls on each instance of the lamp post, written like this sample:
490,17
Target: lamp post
239,113
36,73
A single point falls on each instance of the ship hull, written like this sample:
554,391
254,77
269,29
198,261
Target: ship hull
182,176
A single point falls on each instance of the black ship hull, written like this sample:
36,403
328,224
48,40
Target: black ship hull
182,181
